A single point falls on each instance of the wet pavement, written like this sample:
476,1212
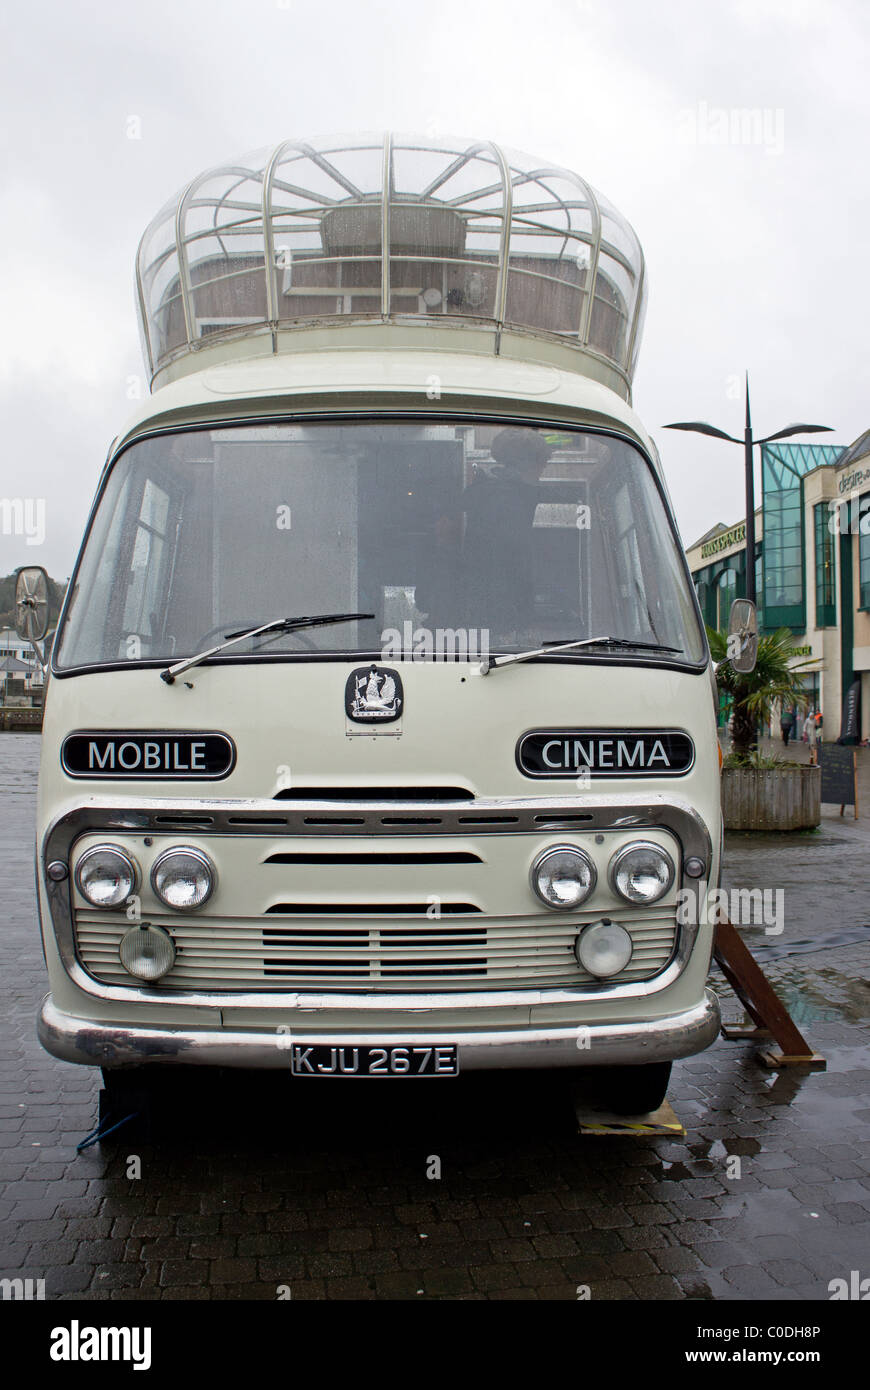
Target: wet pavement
822,908
249,1190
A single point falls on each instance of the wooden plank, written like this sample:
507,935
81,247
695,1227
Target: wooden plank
760,999
737,1032
658,1122
777,1060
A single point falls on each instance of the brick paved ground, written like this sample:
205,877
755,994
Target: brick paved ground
249,1185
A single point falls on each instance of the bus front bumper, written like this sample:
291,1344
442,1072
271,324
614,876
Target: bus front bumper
98,1044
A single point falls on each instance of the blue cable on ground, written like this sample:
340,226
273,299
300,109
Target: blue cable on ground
100,1133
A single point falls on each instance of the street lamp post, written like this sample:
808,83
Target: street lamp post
748,444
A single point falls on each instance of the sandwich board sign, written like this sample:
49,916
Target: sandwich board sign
839,777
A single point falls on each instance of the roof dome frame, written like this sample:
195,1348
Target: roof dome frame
251,247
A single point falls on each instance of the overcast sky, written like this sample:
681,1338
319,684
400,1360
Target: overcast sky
756,249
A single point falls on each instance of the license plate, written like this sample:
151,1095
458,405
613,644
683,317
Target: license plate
401,1060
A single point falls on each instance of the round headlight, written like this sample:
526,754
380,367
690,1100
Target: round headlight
147,952
603,948
563,876
183,878
641,873
106,876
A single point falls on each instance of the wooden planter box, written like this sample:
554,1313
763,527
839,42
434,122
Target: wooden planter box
781,798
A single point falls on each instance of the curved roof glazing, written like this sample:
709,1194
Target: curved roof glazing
389,227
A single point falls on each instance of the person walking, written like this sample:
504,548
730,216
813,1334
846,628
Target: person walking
786,724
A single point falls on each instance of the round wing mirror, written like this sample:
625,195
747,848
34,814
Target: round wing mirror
31,603
743,636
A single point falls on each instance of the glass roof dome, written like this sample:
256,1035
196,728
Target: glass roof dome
391,228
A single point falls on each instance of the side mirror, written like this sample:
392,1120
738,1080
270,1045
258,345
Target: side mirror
31,603
743,636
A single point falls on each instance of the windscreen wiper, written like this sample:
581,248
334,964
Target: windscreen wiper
277,625
627,642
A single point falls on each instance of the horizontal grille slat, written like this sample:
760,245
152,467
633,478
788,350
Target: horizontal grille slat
368,909
375,794
190,959
421,857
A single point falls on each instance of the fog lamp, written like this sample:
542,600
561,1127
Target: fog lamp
603,948
147,952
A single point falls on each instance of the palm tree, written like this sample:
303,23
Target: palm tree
775,681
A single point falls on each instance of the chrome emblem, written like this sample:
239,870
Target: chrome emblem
373,694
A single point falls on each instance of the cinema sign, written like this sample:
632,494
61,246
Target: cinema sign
605,753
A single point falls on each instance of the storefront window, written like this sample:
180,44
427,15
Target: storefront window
864,551
726,593
826,609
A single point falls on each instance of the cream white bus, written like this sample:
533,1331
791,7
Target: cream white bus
380,736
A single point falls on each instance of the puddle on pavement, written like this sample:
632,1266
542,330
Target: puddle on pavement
778,950
814,994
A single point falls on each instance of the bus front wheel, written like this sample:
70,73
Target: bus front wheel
637,1090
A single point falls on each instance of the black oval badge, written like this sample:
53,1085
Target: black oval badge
151,755
605,753
373,695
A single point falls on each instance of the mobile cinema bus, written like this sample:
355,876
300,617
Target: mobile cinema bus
380,734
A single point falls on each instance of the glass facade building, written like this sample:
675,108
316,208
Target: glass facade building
812,567
783,469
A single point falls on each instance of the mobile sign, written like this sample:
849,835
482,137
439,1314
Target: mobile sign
149,755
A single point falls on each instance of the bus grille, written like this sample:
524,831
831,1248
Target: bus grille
354,950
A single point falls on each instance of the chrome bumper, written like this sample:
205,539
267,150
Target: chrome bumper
599,1044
